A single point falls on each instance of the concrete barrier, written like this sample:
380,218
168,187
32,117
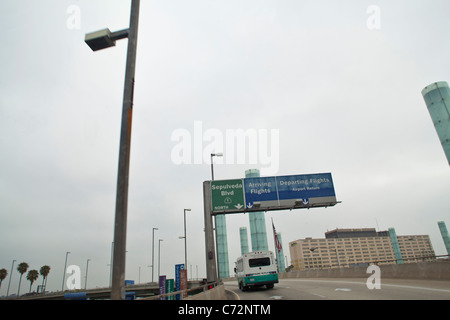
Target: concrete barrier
216,293
421,270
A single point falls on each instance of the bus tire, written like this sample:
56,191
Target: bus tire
269,286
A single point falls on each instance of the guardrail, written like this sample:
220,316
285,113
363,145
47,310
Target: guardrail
436,270
187,293
408,259
140,291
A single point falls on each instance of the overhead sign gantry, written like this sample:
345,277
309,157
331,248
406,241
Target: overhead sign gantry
262,194
272,193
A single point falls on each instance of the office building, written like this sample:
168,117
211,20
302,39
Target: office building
437,99
444,234
258,234
358,247
222,246
244,240
395,245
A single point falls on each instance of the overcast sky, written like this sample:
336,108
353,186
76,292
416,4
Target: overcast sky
339,81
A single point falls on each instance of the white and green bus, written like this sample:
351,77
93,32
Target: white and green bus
255,269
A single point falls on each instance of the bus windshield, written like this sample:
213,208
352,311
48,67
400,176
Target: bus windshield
259,262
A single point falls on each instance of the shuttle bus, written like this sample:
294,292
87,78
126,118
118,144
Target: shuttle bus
255,269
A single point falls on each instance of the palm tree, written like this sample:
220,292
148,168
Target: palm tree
44,271
22,268
32,275
3,274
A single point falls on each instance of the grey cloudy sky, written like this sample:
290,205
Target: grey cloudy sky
345,99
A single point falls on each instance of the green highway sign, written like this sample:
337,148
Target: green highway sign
227,195
272,193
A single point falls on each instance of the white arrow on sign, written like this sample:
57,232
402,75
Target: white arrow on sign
249,206
238,206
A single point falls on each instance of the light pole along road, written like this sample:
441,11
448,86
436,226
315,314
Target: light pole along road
100,40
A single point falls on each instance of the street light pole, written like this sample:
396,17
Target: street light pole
120,228
111,264
87,266
153,247
212,167
100,40
185,240
159,257
64,273
10,276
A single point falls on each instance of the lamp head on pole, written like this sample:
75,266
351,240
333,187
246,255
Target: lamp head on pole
104,38
99,39
217,154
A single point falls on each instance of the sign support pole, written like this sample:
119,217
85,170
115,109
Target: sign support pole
211,268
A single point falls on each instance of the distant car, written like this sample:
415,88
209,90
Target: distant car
29,294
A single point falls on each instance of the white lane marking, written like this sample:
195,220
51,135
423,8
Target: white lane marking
382,284
343,289
413,287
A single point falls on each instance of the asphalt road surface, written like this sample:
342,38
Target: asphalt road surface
346,289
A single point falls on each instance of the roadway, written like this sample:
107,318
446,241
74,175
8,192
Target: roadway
346,289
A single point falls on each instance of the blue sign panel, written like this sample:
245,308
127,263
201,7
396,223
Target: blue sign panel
274,193
178,268
305,186
162,286
260,190
289,191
